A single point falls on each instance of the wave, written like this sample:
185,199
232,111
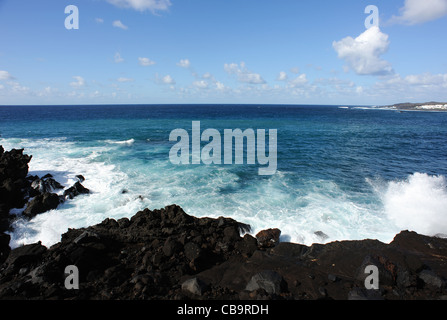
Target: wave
303,209
124,142
418,203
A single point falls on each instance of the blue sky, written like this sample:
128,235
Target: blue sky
222,51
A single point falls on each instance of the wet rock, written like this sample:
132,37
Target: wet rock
76,190
41,203
46,185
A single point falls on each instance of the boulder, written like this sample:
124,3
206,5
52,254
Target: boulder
270,281
41,203
268,238
75,190
45,185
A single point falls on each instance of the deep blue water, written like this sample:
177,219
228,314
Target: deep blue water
351,173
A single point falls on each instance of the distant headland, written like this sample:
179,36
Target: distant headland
426,106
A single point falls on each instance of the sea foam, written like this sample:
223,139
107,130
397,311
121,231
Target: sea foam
418,203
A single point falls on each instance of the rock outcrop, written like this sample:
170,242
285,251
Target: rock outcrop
20,190
168,254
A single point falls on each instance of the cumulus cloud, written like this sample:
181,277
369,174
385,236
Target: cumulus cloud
298,81
420,11
184,63
165,80
282,76
145,62
363,54
119,24
243,75
80,82
5,75
142,5
200,84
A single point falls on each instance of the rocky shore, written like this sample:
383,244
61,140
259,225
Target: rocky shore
167,254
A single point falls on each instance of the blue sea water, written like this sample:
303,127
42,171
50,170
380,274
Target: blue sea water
351,173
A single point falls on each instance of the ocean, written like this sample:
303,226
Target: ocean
342,173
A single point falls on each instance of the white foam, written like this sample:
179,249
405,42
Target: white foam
123,142
297,208
64,162
418,203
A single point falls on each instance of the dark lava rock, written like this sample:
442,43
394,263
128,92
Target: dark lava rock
41,203
168,254
270,281
268,238
46,184
75,190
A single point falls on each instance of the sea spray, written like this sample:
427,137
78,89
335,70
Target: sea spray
418,203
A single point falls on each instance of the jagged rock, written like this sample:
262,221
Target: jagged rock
46,185
41,203
268,238
270,281
152,255
75,190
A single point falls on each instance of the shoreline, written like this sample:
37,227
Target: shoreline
167,254
425,106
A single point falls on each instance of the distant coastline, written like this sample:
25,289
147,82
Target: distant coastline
426,106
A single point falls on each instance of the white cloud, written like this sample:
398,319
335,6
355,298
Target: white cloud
362,54
200,84
243,75
420,11
119,24
220,86
80,82
143,5
122,79
184,63
415,87
298,81
145,62
99,20
5,75
118,58
282,76
166,80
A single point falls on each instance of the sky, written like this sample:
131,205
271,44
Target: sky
346,52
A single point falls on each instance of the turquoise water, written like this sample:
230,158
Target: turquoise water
351,173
